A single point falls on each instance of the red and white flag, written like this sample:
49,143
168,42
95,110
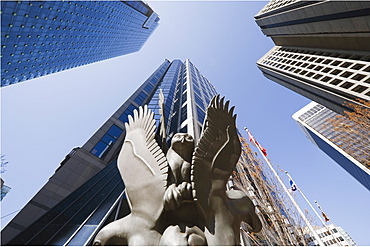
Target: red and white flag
253,140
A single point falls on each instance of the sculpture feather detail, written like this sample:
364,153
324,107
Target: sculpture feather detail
142,165
215,156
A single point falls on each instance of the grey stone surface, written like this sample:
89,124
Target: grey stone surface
180,198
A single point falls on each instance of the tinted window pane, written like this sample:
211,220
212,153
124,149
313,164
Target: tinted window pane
140,98
99,149
108,139
114,131
129,111
124,118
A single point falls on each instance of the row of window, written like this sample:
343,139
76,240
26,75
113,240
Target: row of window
27,32
92,11
102,148
272,5
107,141
337,72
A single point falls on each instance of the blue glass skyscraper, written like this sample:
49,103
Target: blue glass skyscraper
44,37
86,191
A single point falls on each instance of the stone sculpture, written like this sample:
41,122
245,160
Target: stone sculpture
180,198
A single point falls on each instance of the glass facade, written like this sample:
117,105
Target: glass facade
348,149
76,219
44,37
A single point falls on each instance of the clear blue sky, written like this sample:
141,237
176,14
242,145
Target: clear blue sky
44,118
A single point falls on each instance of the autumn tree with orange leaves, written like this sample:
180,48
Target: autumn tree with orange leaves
354,131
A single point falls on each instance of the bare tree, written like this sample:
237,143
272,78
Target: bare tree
3,163
353,131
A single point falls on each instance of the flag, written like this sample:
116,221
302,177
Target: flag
261,148
293,187
251,139
326,218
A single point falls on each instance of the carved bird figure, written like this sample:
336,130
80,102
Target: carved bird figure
155,183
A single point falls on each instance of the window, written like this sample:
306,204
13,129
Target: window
357,66
335,72
310,74
346,65
318,68
114,131
183,113
336,82
148,88
346,85
358,77
326,79
326,70
200,114
106,142
124,117
346,74
359,89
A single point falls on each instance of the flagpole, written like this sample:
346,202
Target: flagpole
313,209
322,211
286,191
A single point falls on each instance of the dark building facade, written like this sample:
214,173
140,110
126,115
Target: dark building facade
321,50
44,37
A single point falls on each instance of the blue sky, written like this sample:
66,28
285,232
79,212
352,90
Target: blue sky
44,118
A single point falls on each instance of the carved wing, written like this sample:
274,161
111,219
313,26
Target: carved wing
142,165
216,154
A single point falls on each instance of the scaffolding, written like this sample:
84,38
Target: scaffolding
282,224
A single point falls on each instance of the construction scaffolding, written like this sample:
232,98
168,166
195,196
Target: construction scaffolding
282,224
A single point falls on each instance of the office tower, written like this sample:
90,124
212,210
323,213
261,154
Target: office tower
4,189
348,149
86,191
321,50
80,184
331,235
44,37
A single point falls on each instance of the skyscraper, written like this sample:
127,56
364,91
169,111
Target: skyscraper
321,50
86,191
346,148
340,25
44,37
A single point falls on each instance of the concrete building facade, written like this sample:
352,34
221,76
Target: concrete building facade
332,235
321,51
